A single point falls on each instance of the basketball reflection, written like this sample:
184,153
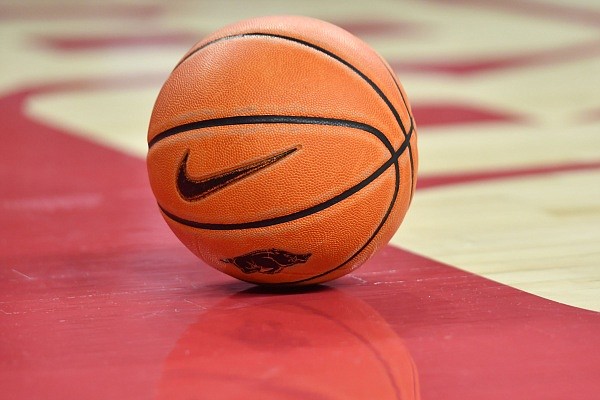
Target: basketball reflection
317,344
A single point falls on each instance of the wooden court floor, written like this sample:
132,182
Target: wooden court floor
489,290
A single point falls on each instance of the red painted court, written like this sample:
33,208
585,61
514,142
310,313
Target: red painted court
489,290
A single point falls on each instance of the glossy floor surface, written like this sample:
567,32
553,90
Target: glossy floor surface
489,290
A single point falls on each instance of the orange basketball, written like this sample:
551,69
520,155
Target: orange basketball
282,150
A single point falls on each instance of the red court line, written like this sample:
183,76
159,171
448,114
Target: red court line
444,114
378,28
537,9
74,44
435,181
468,67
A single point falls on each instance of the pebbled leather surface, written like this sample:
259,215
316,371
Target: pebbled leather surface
285,66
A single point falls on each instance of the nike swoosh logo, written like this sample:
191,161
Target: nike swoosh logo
193,189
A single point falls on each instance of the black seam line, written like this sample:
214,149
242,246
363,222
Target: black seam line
412,126
203,46
318,48
271,119
299,214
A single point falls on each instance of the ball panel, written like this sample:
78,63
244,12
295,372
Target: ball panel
331,236
326,36
267,76
328,161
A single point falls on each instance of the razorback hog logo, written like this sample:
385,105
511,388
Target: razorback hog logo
269,261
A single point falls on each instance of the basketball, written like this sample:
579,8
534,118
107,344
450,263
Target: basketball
282,150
